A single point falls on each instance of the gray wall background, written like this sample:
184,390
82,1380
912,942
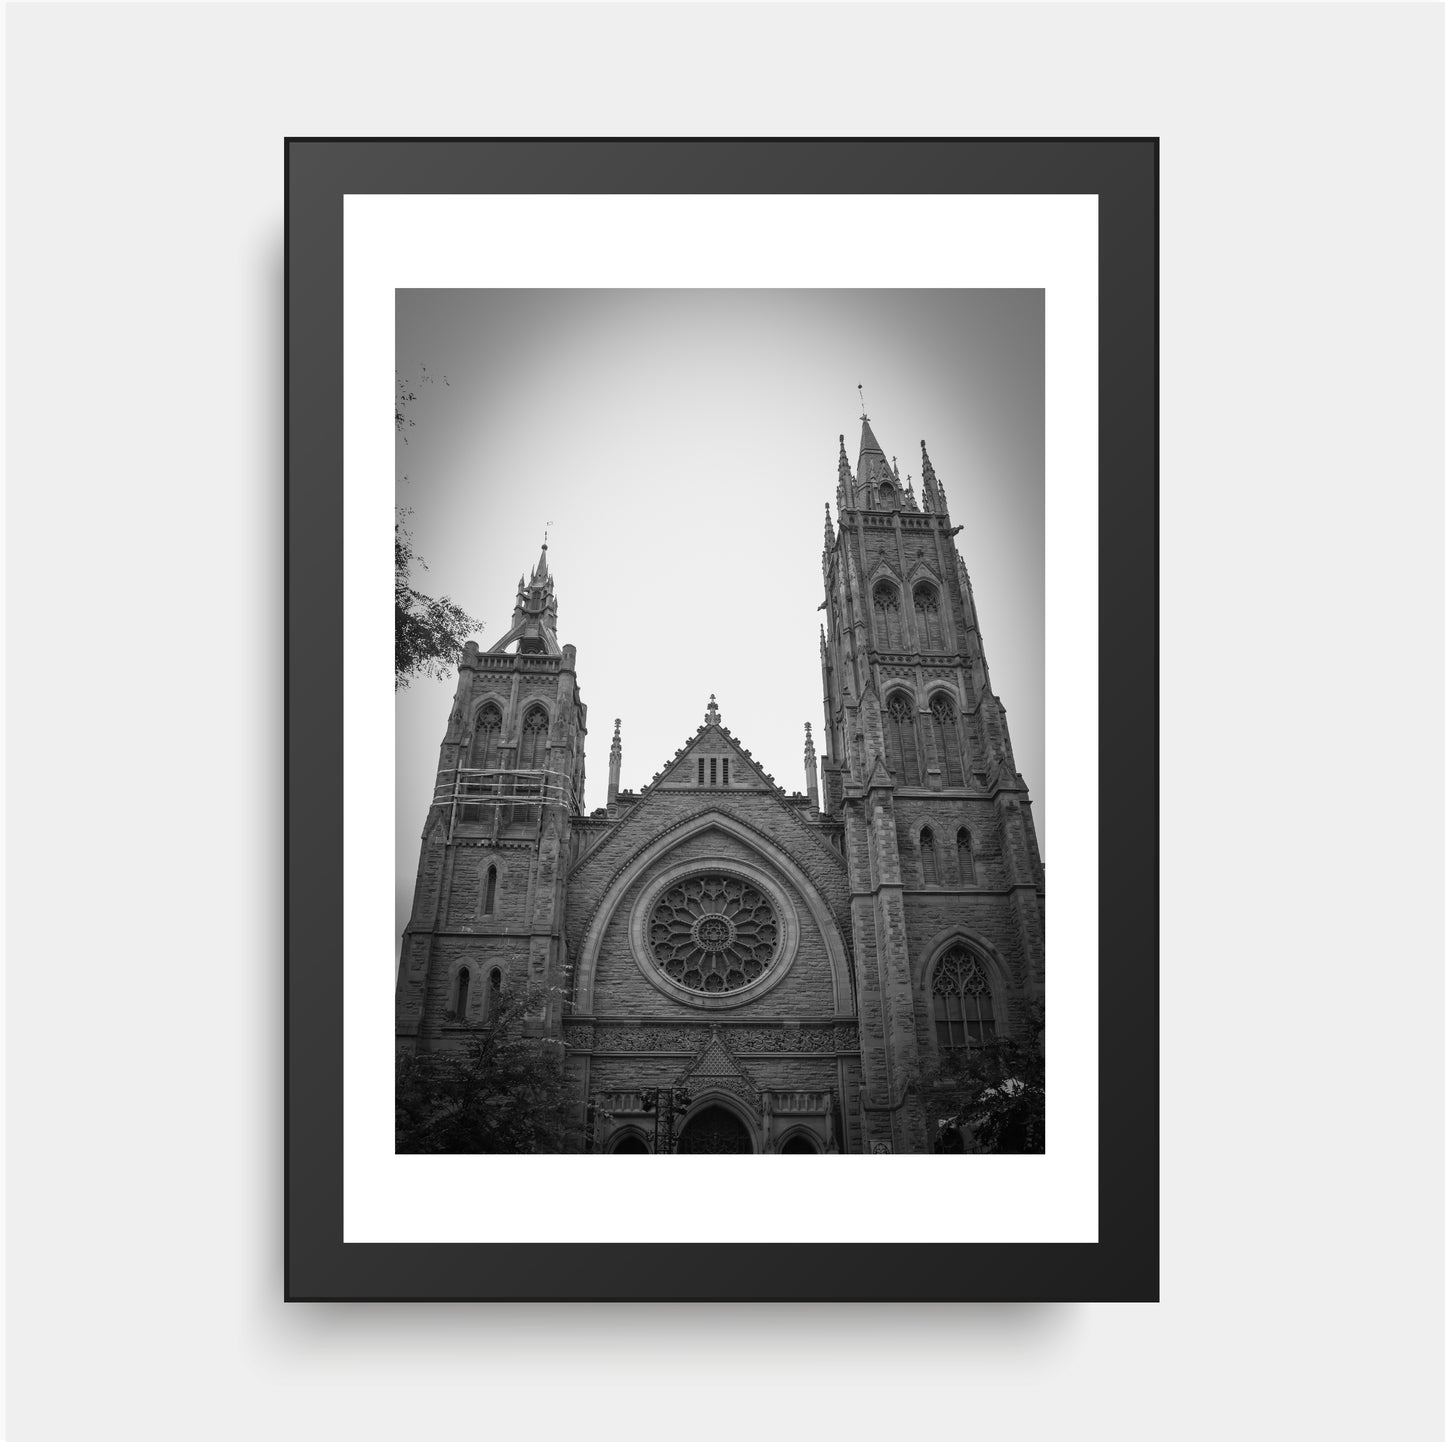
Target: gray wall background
1301,313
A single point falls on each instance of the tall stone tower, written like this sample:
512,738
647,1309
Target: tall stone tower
944,870
492,878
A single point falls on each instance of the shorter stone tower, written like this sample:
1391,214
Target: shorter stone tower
491,881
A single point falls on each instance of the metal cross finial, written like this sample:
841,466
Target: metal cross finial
861,402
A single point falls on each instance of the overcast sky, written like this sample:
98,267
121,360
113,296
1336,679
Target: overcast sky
682,445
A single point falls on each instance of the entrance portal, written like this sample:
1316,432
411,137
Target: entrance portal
715,1130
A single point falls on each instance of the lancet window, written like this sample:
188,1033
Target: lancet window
946,746
962,1002
889,619
928,853
532,753
927,618
967,876
902,741
488,738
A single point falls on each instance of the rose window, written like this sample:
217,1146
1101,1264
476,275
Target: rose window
713,934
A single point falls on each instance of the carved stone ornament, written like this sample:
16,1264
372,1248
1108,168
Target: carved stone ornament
713,935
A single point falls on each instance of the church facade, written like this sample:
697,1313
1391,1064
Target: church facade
729,967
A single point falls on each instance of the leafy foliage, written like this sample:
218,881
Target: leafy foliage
500,1091
991,1099
430,631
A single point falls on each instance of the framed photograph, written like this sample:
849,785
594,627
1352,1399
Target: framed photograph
773,535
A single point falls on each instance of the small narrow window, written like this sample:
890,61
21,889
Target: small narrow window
966,874
464,985
930,857
712,771
701,771
494,995
489,905
725,770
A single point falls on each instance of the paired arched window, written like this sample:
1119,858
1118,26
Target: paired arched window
887,616
532,753
967,876
928,852
962,1001
464,986
489,894
927,617
901,740
946,747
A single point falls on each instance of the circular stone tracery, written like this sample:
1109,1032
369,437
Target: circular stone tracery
713,933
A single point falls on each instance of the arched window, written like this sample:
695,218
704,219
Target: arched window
532,753
464,986
489,898
929,854
945,741
962,1001
902,740
885,496
967,876
494,995
889,622
925,614
488,737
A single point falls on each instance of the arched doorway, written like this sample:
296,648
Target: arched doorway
632,1143
715,1131
799,1142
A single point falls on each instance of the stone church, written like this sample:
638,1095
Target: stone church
730,967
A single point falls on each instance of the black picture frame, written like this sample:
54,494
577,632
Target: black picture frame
1123,1265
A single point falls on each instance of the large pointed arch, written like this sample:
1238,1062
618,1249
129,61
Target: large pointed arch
768,856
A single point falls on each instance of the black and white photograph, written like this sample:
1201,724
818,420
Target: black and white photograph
714,831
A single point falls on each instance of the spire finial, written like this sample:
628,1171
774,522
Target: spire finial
862,405
714,716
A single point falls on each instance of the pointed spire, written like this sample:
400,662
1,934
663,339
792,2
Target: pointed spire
868,446
845,479
827,527
810,762
933,498
714,716
614,763
539,571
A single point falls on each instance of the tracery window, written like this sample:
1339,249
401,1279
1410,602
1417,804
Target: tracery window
967,876
889,619
929,854
945,741
926,614
532,754
713,933
901,740
962,1002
